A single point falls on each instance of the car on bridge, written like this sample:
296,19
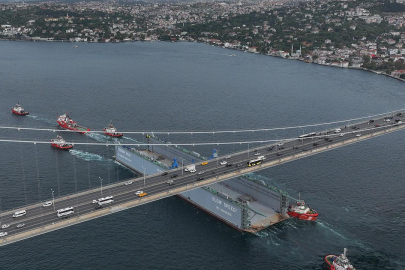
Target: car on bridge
201,172
173,176
142,194
338,130
341,134
5,226
2,234
20,225
200,178
138,192
228,165
170,182
228,157
358,135
163,174
223,162
19,213
128,183
47,204
204,163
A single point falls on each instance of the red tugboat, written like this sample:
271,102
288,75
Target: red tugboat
301,211
60,143
17,109
333,262
66,122
112,131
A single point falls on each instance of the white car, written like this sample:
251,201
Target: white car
387,120
128,183
227,157
280,144
139,192
5,226
257,154
47,204
223,162
341,134
3,234
202,172
19,213
192,170
95,201
20,225
338,130
358,135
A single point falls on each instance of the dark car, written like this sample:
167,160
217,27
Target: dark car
165,173
315,144
371,121
228,165
330,140
295,147
200,178
270,148
281,147
279,154
213,172
304,150
173,176
399,114
354,127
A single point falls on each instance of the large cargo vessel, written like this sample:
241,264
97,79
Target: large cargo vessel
245,203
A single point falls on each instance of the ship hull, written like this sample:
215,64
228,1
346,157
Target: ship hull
311,217
114,135
19,113
62,147
79,129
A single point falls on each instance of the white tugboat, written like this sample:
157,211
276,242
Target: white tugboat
333,262
112,131
302,211
17,109
60,143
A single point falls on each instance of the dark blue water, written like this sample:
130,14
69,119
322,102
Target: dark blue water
358,190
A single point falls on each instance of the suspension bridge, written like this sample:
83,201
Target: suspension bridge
38,219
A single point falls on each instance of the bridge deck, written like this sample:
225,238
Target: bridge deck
39,219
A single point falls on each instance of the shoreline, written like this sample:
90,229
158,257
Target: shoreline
272,55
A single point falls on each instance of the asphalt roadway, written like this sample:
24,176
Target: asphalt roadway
38,216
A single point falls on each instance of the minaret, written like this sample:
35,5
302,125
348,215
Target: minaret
292,49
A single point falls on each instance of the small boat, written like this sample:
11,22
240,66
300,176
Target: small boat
60,143
112,131
301,211
17,109
333,262
66,122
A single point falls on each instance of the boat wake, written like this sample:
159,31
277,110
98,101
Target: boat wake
88,156
43,119
98,137
329,228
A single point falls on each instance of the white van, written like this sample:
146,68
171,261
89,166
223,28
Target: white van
20,213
